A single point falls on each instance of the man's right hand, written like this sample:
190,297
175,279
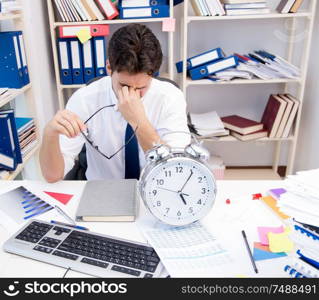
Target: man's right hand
65,122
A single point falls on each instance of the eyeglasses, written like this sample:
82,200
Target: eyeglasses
86,134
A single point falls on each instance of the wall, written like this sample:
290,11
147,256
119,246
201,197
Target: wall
308,149
247,100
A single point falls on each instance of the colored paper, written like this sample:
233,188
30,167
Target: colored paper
263,233
63,198
280,242
260,246
257,196
276,193
272,203
169,24
263,255
84,35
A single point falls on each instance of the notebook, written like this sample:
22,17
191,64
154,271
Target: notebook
108,201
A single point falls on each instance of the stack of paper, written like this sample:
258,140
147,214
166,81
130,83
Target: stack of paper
10,6
207,125
190,251
266,65
301,202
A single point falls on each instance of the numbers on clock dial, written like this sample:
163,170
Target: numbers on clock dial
179,191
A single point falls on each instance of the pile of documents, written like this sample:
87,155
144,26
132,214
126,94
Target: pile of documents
216,66
265,65
10,6
300,200
27,134
246,7
206,125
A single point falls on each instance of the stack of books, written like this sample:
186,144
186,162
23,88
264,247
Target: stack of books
245,7
244,129
208,8
93,10
299,199
279,115
27,134
277,120
289,6
17,139
206,125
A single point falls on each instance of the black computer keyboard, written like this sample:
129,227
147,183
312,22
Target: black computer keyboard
83,251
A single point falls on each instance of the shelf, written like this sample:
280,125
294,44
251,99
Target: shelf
233,139
71,86
13,94
241,81
20,167
272,15
116,21
9,16
251,174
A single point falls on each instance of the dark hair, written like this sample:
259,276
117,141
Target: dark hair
135,49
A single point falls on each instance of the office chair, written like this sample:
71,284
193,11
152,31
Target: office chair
80,166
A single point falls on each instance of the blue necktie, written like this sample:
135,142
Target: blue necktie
132,162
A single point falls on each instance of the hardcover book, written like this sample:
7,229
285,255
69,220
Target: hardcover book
273,113
241,125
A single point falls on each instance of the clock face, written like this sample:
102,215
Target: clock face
179,191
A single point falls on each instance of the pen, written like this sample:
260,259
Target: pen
69,225
249,251
61,212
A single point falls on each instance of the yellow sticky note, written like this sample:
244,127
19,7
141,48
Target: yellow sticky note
84,35
280,242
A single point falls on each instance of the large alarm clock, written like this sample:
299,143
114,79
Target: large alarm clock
176,185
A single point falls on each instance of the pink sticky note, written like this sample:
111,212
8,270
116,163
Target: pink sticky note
263,231
169,24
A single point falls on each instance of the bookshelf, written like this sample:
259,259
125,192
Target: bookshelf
65,91
298,83
17,20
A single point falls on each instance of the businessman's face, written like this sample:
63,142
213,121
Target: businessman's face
140,81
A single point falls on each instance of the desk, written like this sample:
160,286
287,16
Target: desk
239,193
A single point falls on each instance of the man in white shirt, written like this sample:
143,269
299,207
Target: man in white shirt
107,108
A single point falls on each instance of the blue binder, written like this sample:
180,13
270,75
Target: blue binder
25,69
100,55
14,134
11,71
65,61
88,61
159,11
7,154
213,67
201,59
77,61
126,3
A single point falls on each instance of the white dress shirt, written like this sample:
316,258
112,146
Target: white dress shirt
165,108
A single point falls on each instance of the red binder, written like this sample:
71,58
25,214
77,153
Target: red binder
108,8
70,31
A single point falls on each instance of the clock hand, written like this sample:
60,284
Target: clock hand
189,177
182,197
171,191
